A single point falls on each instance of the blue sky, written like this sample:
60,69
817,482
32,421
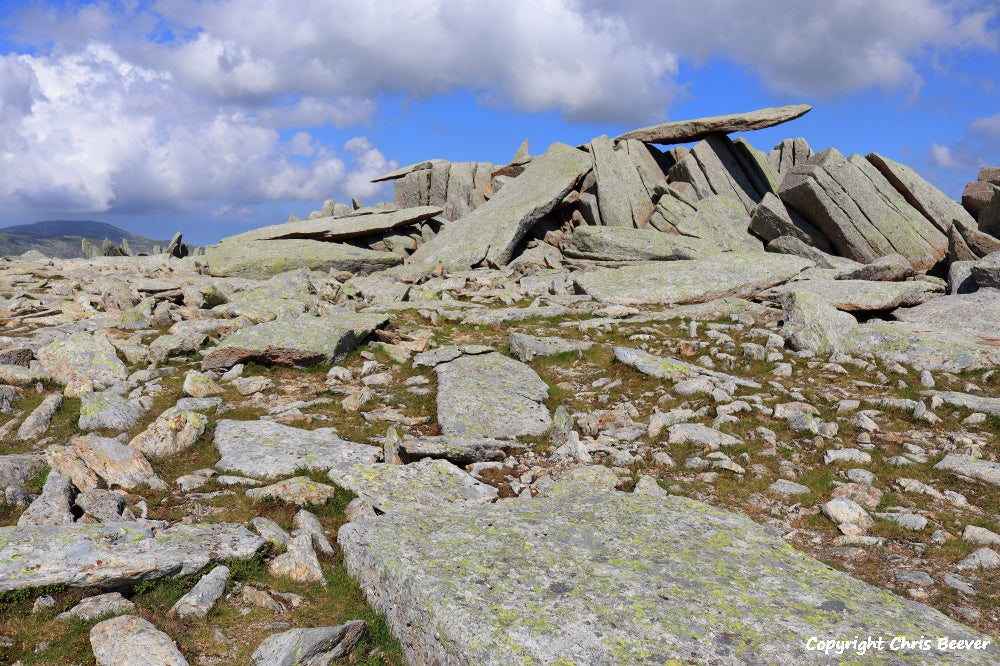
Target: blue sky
216,116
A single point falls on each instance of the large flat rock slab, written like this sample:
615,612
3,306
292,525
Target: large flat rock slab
492,231
82,357
490,395
626,244
590,577
295,340
951,333
741,274
110,555
265,450
684,131
860,295
339,228
260,259
425,484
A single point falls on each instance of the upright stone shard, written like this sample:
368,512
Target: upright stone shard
712,167
463,586
741,274
789,153
493,231
685,131
860,211
621,195
490,395
935,205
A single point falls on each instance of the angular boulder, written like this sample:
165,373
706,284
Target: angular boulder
82,357
263,449
492,231
625,244
262,259
425,484
111,555
490,395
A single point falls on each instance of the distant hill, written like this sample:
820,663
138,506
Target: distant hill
61,238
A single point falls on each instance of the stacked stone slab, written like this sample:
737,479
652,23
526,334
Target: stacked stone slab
457,187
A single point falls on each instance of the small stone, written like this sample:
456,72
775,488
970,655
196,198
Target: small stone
299,562
984,558
307,523
843,510
300,490
130,640
203,596
199,385
785,487
980,536
270,530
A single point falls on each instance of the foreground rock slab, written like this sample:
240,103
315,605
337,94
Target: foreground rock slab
491,395
632,579
264,450
111,555
683,131
128,640
262,259
678,282
492,231
318,645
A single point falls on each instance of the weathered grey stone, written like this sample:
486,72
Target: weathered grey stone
525,347
283,295
974,468
54,506
859,295
980,535
173,431
270,530
627,244
82,357
890,268
91,608
490,395
649,163
984,558
950,333
317,646
860,212
989,219
463,585
263,449
103,506
116,464
971,243
425,484
295,341
960,279
20,375
299,562
493,317
713,168
110,555
492,231
986,271
678,282
685,131
447,353
811,322
977,196
621,195
17,468
300,490
673,369
844,510
40,418
935,205
403,171
200,600
786,487
459,450
129,640
107,410
262,259
305,522
671,208
683,433
793,246
346,227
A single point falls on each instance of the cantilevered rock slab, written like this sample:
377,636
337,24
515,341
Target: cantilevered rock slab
951,333
740,274
490,395
261,259
110,555
492,231
425,484
860,295
264,450
464,585
666,367
685,131
340,228
295,341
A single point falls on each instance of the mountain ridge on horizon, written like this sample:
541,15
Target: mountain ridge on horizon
62,238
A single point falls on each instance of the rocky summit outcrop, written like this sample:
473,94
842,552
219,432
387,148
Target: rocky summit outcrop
605,404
